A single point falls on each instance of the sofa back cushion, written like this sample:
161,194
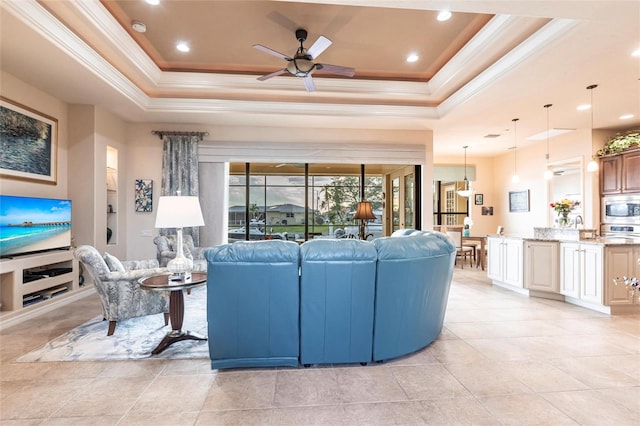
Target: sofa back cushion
253,303
413,277
337,292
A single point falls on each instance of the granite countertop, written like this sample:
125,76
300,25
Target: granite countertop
605,241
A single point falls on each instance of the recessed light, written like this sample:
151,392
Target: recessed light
626,117
153,2
636,53
583,107
444,15
138,26
183,47
412,57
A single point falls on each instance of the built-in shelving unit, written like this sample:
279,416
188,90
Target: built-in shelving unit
36,280
112,195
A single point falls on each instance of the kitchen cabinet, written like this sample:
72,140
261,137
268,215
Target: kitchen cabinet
541,268
620,261
581,275
620,174
505,262
631,172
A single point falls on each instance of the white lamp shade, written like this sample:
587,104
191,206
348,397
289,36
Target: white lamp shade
179,212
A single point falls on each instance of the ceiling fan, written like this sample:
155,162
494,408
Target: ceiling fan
302,65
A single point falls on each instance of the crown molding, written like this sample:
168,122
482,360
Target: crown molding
119,39
541,38
44,23
182,105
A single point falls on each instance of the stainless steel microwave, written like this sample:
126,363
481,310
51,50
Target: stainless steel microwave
621,209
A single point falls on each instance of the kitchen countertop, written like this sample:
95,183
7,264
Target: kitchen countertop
605,241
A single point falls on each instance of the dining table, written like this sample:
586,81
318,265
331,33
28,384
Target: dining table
480,253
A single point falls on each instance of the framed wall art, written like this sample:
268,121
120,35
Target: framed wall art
479,199
144,195
28,143
519,201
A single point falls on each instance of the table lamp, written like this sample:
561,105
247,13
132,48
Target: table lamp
364,213
179,212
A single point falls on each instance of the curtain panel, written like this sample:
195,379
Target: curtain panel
180,171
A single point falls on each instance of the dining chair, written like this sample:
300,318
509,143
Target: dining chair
462,252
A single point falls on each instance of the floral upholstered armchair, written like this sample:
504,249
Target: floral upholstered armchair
166,245
117,285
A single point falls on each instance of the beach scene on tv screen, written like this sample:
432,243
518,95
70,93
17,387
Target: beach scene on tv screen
33,224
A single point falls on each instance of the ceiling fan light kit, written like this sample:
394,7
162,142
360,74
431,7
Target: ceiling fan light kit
301,65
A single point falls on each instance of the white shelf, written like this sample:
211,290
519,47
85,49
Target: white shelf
14,287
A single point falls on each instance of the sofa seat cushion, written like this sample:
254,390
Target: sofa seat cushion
253,301
337,291
413,277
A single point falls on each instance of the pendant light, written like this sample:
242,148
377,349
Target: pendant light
515,178
592,166
466,192
548,174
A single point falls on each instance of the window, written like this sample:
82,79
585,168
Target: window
296,201
448,207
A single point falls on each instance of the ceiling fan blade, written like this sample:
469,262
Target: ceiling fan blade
273,74
318,47
309,84
272,52
336,69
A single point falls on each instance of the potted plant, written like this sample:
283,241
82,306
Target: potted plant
620,142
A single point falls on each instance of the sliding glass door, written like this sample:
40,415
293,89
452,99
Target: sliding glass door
302,201
402,185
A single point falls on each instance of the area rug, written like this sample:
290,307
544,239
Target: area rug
134,338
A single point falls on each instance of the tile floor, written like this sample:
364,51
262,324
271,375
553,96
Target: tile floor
502,359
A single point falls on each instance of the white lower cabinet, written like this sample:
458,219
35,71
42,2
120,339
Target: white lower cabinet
505,261
620,261
541,269
581,274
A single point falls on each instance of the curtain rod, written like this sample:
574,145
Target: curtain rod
161,133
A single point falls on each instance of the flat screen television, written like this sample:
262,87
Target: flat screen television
30,225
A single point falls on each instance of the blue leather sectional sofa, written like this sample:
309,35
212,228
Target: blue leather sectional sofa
275,303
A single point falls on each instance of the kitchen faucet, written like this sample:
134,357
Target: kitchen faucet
578,220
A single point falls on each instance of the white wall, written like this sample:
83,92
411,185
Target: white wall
531,164
484,184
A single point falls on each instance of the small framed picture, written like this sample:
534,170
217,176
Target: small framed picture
144,195
487,210
479,199
519,201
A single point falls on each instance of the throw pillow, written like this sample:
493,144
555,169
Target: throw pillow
113,263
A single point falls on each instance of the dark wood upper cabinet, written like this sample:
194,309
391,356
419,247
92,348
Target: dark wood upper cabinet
610,175
631,172
620,174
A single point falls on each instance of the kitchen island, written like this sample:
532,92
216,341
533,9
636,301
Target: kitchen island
564,267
